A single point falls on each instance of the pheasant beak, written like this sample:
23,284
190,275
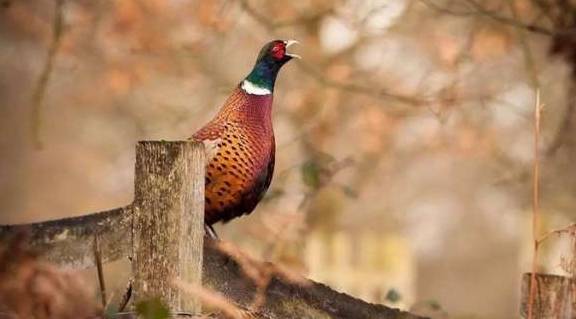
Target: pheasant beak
288,43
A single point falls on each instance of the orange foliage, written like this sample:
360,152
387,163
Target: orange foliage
127,15
24,20
490,44
209,14
120,81
448,50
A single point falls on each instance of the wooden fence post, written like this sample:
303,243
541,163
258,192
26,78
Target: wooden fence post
168,221
555,296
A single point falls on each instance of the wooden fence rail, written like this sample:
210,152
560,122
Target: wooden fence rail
162,231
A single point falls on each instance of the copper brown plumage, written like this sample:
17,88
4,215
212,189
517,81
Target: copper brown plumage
240,143
240,167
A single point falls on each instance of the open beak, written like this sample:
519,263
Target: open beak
288,43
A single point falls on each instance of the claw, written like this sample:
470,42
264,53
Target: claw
210,232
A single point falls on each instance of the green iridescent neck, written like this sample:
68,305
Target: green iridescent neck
263,75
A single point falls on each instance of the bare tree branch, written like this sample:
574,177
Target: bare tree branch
355,88
545,9
100,271
478,9
42,84
562,135
273,25
528,56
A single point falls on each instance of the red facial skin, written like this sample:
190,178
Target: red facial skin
278,51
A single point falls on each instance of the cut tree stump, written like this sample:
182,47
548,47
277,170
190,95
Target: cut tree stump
555,297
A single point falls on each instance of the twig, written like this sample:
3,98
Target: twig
568,229
367,90
126,296
273,25
510,21
98,261
545,9
529,59
212,298
535,204
480,10
561,137
175,314
562,133
42,84
261,287
260,273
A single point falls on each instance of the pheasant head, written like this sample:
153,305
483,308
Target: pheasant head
271,58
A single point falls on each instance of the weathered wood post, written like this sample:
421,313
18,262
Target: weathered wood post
168,221
555,297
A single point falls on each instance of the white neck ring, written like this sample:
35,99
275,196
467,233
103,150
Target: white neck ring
254,89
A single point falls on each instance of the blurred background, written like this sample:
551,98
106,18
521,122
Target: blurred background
404,136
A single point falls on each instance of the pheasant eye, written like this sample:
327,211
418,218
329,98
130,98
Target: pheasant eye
278,51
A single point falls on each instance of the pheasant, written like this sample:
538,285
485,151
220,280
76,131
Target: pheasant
239,141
